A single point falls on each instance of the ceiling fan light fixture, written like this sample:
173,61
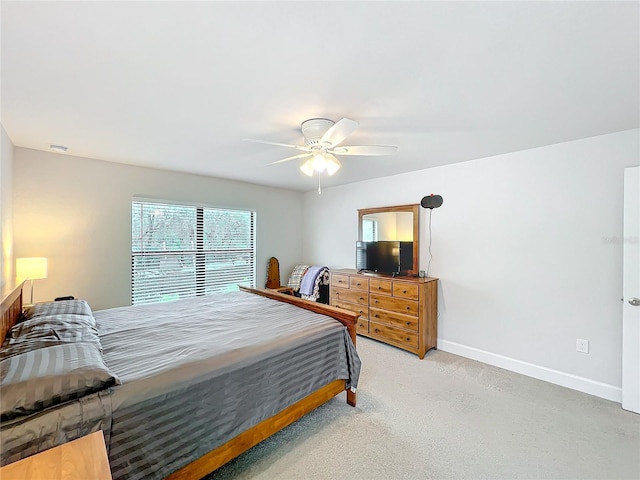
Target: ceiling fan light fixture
319,162
333,164
307,168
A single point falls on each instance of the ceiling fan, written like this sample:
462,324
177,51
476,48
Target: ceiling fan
322,138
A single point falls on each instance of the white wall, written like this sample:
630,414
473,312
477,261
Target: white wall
77,213
6,211
522,249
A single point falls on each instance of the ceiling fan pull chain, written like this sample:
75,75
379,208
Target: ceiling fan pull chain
319,189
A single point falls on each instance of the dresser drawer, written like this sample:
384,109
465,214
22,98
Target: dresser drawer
362,326
400,320
380,286
352,296
405,290
399,305
353,307
393,334
338,280
359,283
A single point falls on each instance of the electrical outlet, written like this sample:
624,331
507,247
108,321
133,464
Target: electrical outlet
582,345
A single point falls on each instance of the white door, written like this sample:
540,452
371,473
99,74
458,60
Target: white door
631,292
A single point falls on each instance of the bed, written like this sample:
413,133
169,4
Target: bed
190,384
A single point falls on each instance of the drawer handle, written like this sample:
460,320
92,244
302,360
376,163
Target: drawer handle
377,331
357,284
409,324
408,307
376,315
408,339
379,287
404,291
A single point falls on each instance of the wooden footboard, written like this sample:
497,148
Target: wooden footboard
346,317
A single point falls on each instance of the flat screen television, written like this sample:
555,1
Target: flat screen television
390,257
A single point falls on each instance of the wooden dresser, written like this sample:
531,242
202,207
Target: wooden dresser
400,311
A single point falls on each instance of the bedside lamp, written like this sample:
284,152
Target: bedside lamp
31,268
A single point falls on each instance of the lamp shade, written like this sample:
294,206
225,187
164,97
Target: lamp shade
32,268
333,164
307,167
319,162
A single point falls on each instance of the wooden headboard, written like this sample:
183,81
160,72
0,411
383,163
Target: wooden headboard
10,310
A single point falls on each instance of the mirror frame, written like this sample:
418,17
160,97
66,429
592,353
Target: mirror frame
415,210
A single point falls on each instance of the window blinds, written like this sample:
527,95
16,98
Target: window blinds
180,251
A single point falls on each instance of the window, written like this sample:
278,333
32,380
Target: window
369,230
180,251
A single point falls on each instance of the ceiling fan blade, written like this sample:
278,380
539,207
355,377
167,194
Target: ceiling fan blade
339,131
302,155
365,150
297,147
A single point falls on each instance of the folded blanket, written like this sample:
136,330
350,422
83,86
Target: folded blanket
296,276
309,279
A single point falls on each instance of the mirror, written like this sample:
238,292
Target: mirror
399,223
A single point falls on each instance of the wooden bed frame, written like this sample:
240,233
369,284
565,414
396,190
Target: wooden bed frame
10,310
10,313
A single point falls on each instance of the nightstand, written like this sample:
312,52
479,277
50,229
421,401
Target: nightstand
81,459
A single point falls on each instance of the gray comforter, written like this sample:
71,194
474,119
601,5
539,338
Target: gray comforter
195,373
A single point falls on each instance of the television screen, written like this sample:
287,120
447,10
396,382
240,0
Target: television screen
390,257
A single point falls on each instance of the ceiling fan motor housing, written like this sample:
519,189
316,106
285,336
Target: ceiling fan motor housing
313,130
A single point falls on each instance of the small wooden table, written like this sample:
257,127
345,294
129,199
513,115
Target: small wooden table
81,459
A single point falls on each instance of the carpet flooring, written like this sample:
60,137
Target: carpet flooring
447,417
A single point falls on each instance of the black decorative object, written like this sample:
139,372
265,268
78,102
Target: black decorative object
431,201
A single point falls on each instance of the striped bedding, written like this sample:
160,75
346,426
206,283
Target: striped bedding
195,373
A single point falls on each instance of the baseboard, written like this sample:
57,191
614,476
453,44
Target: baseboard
599,389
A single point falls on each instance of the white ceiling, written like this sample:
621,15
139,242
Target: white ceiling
178,85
